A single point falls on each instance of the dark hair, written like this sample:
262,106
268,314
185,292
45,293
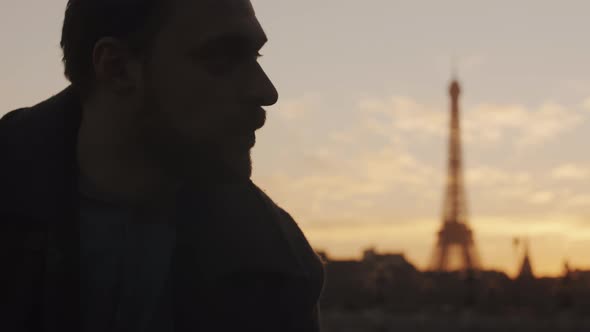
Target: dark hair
87,21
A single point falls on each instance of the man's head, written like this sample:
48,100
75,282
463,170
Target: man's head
185,73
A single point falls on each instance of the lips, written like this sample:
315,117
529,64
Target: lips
259,118
254,120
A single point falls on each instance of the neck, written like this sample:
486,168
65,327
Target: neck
112,159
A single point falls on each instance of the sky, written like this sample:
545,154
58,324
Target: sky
355,149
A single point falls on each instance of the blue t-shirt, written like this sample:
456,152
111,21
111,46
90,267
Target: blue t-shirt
125,268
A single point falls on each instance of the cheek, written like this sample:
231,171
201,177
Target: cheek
186,101
199,105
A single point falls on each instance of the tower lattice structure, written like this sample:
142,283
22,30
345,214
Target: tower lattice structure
455,239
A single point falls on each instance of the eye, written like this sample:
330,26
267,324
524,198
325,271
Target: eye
226,62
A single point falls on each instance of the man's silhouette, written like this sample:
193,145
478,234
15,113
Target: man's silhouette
125,200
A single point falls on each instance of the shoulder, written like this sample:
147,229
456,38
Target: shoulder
10,121
12,130
41,115
18,131
12,116
32,137
31,127
13,153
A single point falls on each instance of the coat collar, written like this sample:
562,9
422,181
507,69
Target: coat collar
39,174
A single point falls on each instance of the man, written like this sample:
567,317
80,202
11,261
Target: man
126,200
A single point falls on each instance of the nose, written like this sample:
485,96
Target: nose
262,90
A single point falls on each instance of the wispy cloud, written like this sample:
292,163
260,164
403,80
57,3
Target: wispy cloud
404,114
484,124
297,108
542,197
571,172
579,201
347,186
527,126
487,176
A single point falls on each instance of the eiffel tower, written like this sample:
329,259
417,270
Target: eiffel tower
455,238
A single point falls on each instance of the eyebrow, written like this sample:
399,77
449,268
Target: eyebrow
252,41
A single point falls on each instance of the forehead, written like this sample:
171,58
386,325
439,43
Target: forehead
201,20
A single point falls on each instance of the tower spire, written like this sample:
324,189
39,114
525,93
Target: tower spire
526,269
454,73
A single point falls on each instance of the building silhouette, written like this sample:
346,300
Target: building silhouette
526,268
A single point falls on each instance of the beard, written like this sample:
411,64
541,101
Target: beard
217,163
202,162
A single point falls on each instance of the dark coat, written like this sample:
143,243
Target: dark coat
39,227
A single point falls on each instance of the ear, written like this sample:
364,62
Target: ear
115,66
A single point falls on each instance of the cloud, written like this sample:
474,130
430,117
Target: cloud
406,115
571,172
586,104
542,197
516,124
349,186
343,137
524,127
392,167
579,200
297,108
484,124
486,176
